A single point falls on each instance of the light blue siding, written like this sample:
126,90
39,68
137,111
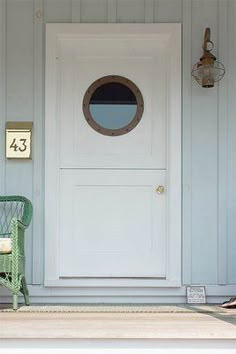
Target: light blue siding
130,11
57,11
231,150
209,123
204,157
87,13
19,94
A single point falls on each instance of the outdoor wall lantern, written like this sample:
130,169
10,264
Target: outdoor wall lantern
208,70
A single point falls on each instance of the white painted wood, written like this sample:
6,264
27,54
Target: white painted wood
174,161
52,159
128,55
111,282
109,221
187,144
134,346
38,137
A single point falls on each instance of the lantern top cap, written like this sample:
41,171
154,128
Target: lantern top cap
207,46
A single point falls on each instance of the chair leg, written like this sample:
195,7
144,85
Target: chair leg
25,291
15,301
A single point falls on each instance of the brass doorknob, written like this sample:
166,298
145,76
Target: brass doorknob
160,189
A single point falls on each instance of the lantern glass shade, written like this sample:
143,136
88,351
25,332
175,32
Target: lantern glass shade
207,74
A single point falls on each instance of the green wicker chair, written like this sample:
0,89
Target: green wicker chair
15,217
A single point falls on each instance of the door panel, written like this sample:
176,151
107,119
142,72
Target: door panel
118,220
112,223
79,66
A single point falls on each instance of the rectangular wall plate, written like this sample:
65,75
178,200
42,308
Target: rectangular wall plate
196,294
19,140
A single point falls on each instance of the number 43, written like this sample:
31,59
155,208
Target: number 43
20,148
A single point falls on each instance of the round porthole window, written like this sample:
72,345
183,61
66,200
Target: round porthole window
113,105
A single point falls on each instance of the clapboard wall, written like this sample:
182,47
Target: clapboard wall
209,120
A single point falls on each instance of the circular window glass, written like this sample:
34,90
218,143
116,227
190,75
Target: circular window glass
113,105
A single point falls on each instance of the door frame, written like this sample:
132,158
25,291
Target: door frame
172,33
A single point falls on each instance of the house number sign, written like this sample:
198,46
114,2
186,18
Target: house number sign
18,140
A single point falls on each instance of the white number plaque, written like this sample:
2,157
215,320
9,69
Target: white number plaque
18,140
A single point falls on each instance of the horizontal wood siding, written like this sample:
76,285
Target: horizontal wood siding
209,124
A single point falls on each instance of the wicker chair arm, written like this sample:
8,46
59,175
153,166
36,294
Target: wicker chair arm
28,208
17,236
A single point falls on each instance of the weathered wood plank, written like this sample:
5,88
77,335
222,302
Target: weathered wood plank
117,326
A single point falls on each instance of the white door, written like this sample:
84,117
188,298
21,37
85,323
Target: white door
109,219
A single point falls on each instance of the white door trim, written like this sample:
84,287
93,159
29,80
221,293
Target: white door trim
171,33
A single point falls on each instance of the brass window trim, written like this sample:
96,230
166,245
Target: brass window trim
113,79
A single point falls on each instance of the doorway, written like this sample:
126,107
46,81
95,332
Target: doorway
113,154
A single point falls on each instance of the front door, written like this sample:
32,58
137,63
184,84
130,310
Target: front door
112,173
